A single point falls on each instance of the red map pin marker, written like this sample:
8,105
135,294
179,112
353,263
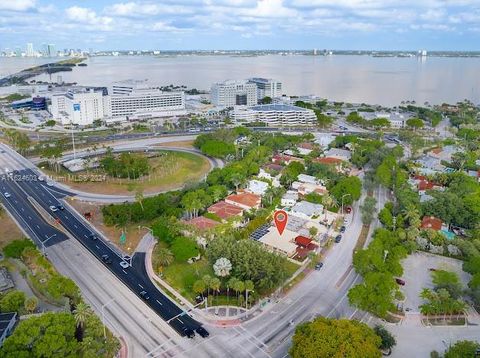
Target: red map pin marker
281,218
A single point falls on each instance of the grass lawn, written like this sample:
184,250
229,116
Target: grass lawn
169,170
182,276
9,231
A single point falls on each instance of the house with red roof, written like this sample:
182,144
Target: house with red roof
282,159
431,222
244,200
225,210
202,223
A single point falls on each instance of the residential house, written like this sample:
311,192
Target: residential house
304,178
272,167
202,223
257,187
431,222
289,198
225,210
306,210
275,180
307,188
283,159
444,153
305,245
244,200
342,154
305,148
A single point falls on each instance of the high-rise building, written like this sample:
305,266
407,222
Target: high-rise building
78,107
51,50
29,52
267,87
234,93
133,101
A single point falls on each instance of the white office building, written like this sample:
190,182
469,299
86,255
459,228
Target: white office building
133,102
77,107
29,52
232,93
267,87
275,115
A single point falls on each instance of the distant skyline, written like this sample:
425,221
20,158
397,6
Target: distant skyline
242,24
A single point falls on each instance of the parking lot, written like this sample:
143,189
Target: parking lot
417,275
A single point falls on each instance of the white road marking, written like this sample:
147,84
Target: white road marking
37,226
140,285
97,247
125,272
160,303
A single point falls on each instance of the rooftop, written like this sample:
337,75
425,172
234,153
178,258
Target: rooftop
202,223
307,208
245,199
225,210
431,222
278,107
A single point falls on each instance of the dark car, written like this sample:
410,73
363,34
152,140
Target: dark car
60,207
188,332
343,228
348,209
319,266
144,295
93,237
338,238
106,259
202,332
400,281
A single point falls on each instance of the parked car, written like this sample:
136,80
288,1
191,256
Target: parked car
338,238
124,264
53,208
188,332
400,281
342,229
93,237
202,332
6,194
106,259
348,209
319,266
49,183
144,295
60,207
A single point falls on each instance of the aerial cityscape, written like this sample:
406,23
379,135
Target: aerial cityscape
239,178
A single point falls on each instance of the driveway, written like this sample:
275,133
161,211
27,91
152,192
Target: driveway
417,275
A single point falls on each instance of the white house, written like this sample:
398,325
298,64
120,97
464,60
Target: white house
306,210
257,187
304,178
289,198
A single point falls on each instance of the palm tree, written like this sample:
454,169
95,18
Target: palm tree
164,256
139,197
231,283
215,285
199,287
239,287
328,201
81,313
249,286
207,279
31,304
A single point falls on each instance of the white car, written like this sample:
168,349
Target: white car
6,194
53,208
49,183
41,178
124,264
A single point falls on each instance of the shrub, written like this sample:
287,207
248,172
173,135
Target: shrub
184,248
16,247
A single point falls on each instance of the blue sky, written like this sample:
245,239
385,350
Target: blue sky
242,24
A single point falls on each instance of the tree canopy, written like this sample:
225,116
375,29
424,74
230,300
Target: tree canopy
332,338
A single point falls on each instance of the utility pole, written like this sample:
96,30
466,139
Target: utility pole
73,141
103,317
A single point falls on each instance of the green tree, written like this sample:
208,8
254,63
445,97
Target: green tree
31,304
415,123
327,338
448,280
163,256
350,185
368,210
15,248
13,301
266,100
48,335
388,340
199,287
463,349
81,313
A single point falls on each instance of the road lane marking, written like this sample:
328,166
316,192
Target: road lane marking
37,226
160,303
22,209
97,247
180,321
125,272
140,285
76,227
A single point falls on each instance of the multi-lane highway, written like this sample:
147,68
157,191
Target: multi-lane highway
25,191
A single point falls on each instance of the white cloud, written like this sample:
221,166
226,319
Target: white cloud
146,9
87,16
17,5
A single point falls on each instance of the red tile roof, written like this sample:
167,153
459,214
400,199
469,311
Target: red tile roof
225,210
431,222
425,185
306,145
273,167
283,158
328,160
303,241
420,177
246,199
202,223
